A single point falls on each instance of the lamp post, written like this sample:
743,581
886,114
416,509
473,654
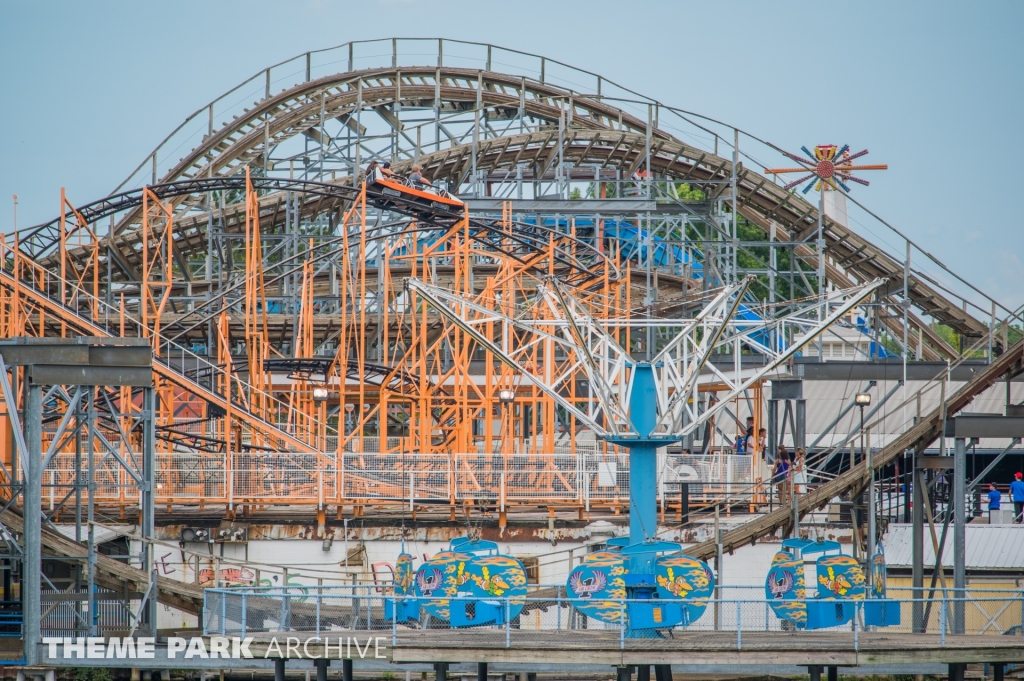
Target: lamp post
864,400
349,422
506,396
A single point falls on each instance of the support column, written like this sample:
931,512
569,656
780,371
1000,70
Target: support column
956,671
643,509
481,671
623,673
800,427
321,668
33,498
643,673
872,502
959,531
917,550
440,671
279,669
833,674
663,672
814,671
907,478
997,671
772,444
90,511
346,670
643,467
148,499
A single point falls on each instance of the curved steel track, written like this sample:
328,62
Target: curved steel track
595,133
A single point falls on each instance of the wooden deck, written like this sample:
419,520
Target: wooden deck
576,647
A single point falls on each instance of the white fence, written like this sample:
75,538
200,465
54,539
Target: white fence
581,478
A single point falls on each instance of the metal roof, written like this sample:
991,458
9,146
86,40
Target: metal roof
988,547
825,400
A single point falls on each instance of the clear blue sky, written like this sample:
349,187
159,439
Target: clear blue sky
934,89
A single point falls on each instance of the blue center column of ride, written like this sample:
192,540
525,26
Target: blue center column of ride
643,466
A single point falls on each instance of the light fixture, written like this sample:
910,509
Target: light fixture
328,541
863,399
506,396
194,534
321,394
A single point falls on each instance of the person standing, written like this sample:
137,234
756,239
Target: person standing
1017,497
741,444
994,497
780,476
799,472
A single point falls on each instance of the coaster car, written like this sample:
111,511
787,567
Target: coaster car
395,191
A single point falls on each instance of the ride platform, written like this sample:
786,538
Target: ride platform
726,650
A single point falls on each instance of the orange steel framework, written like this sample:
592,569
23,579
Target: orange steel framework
434,417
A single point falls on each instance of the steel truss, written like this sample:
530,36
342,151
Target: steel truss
591,348
90,437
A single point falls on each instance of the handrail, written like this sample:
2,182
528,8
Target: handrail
683,114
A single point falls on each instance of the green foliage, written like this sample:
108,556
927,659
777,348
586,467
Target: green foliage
88,674
947,334
687,193
1013,334
759,257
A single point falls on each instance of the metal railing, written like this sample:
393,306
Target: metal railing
321,611
585,478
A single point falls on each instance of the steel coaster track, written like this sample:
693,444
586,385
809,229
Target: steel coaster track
519,243
599,131
526,239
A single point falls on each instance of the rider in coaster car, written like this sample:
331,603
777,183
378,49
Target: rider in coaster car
416,179
376,171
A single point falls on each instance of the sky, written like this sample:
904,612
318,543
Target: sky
934,89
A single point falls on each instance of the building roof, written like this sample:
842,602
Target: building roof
826,399
988,547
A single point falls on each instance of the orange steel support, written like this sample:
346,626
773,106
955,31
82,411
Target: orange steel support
402,383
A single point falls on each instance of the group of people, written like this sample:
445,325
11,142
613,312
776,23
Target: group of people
414,180
789,472
1016,491
745,443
